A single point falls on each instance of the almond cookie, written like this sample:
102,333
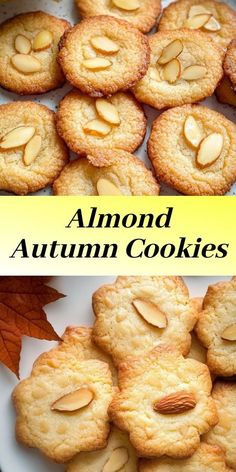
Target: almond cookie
206,459
62,407
192,149
111,173
102,55
86,123
225,92
215,19
216,328
135,314
164,403
31,152
119,455
184,68
230,64
28,54
141,13
223,434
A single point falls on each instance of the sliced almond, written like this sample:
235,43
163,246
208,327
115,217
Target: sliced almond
105,187
171,51
192,131
42,40
197,21
212,25
104,44
107,111
26,64
74,401
128,5
32,149
97,64
197,10
229,334
175,403
22,44
210,149
154,75
150,312
172,71
97,128
17,137
118,458
194,72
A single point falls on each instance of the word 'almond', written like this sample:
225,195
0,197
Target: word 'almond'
129,5
74,401
119,457
175,403
104,44
150,312
210,149
105,188
107,111
229,334
17,137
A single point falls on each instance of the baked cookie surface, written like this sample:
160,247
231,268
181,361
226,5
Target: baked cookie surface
230,63
108,173
88,124
31,152
164,403
216,327
142,14
223,434
103,55
192,148
28,54
62,407
184,68
206,459
119,455
218,22
135,314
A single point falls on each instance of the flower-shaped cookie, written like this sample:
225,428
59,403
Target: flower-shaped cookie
164,403
216,327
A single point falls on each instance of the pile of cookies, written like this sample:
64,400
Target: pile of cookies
114,68
134,393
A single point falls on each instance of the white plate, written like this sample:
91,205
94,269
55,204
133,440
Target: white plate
66,9
75,309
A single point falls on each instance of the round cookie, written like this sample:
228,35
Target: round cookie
223,434
184,68
119,455
28,55
207,458
192,148
230,64
218,23
31,152
123,325
216,328
225,92
141,13
164,403
62,407
88,124
102,55
110,173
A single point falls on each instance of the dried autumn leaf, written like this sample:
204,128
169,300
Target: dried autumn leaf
21,313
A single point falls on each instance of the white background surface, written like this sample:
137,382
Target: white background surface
66,9
75,310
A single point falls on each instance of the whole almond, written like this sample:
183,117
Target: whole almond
210,150
97,64
22,44
26,64
194,72
32,149
192,131
73,401
97,128
197,21
118,458
128,5
150,312
175,403
106,188
42,40
107,111
104,44
171,51
172,71
17,137
229,334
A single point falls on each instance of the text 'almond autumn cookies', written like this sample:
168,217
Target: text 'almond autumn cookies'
28,55
102,55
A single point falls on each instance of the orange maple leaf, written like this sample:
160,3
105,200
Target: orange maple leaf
21,313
